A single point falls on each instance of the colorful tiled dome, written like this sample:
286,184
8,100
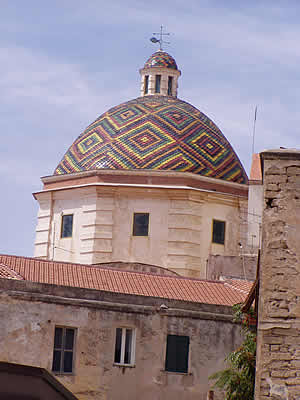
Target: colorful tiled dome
156,133
161,59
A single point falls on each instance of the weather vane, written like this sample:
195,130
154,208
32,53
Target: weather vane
160,40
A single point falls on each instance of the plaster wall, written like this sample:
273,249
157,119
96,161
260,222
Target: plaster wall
180,226
125,246
230,210
243,267
28,334
255,208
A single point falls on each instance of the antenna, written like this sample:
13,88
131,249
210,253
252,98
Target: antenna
160,40
254,125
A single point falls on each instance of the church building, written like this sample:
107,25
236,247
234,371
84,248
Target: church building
152,180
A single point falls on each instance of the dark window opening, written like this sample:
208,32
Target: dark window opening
63,350
170,84
177,354
124,347
157,83
66,226
146,84
118,345
218,232
140,224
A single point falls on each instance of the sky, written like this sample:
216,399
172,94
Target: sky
63,63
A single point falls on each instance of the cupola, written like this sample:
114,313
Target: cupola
160,75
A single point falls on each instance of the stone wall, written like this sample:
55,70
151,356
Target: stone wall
278,354
31,311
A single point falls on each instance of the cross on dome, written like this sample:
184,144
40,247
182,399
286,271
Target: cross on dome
160,41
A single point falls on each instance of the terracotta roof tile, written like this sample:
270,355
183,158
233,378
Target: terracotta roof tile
8,273
240,285
227,292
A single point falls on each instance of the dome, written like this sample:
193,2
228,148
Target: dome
154,133
161,59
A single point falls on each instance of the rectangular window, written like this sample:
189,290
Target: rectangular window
125,346
63,350
157,83
170,84
66,226
146,84
218,235
140,224
177,355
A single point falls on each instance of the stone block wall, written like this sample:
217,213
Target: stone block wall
278,353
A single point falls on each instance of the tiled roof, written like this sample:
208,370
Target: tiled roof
8,273
125,282
154,133
239,284
161,59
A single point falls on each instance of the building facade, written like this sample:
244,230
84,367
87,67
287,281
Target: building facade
108,334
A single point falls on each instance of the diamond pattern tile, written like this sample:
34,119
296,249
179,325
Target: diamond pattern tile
154,132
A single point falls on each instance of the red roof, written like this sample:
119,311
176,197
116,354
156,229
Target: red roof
126,282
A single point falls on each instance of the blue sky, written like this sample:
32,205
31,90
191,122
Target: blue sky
63,63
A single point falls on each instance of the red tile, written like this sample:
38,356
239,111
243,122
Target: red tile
227,292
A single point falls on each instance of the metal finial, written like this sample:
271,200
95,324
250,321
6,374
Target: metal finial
160,40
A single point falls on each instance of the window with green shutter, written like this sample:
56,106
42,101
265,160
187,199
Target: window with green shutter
177,354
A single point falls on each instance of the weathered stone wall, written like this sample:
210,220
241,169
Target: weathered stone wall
29,313
278,355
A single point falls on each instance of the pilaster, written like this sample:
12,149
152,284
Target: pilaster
184,235
43,228
97,227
